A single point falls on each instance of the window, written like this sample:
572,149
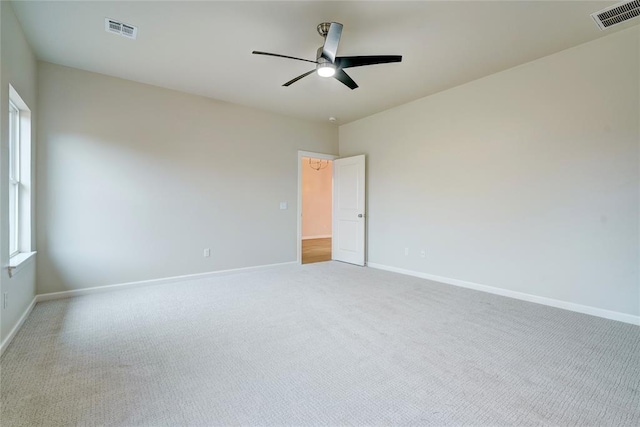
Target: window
14,179
19,203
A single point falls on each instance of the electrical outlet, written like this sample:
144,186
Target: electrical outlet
406,251
5,300
207,252
423,254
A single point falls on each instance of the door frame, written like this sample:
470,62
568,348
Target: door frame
313,155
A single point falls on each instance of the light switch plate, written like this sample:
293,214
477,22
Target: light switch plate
283,205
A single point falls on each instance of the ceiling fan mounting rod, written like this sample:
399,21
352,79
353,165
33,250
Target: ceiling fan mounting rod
319,58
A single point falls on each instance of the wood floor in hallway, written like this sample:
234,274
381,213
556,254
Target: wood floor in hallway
316,250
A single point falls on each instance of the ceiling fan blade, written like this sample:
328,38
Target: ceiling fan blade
257,52
292,81
344,78
331,42
359,61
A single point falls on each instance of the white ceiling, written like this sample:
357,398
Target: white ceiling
205,47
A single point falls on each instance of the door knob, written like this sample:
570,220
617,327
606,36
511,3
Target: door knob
360,215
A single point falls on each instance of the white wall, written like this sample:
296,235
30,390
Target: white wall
136,180
317,189
526,180
18,69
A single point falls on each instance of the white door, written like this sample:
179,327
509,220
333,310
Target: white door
348,210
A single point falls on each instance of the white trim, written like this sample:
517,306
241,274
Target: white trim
320,236
17,100
18,261
17,326
302,154
24,179
109,288
585,309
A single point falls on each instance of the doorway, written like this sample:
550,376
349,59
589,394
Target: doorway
346,213
317,205
315,225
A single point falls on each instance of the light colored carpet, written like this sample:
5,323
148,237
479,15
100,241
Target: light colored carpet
320,344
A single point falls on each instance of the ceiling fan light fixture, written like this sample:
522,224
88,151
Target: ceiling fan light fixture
326,69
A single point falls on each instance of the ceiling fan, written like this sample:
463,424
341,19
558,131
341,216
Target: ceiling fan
330,65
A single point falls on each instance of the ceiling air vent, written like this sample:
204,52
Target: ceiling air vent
120,28
616,14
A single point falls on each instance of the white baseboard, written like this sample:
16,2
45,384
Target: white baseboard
109,288
320,236
585,309
17,326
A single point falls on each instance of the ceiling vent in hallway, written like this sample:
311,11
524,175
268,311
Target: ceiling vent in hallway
120,28
616,14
